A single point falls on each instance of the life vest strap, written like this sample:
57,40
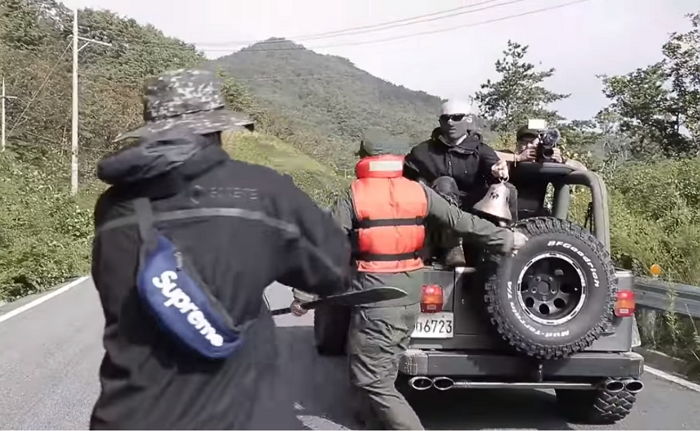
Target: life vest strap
369,223
377,257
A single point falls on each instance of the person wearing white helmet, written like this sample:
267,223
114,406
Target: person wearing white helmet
455,151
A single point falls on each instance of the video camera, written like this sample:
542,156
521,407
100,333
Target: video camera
547,140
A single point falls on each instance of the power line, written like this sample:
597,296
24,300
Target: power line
46,79
370,27
413,18
458,26
433,19
361,29
366,42
367,28
442,30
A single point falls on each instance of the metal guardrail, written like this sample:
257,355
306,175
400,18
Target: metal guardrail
681,298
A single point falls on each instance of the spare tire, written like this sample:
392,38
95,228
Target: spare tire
555,296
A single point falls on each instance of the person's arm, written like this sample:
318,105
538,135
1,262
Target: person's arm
412,166
508,156
469,226
415,166
317,252
342,214
491,166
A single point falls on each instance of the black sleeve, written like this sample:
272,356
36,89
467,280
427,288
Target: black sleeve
487,158
411,166
469,226
316,257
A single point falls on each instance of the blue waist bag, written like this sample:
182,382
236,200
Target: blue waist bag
177,297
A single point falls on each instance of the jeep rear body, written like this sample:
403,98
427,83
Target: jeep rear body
473,355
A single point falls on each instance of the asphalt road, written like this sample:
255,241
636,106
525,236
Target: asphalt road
50,355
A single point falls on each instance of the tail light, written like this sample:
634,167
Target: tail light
625,304
431,298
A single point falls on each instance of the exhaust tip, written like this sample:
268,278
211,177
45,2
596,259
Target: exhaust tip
614,385
420,383
634,386
443,383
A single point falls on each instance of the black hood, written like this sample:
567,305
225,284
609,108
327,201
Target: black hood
468,145
161,161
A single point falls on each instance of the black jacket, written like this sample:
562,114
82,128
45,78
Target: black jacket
147,380
468,163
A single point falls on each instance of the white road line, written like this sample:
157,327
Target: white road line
671,378
658,373
44,298
319,423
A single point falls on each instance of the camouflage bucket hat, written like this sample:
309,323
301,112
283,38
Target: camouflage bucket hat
377,142
189,98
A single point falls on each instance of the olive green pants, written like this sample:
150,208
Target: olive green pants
376,338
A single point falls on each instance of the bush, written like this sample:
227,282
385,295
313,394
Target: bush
654,216
44,234
315,179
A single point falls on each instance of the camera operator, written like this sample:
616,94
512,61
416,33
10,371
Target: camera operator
527,142
531,191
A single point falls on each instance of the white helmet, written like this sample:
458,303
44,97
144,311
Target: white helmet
456,106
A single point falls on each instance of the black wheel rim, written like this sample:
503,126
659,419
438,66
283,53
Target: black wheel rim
552,288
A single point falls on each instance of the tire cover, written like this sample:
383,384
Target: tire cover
566,242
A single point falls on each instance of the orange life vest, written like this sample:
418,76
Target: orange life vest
389,213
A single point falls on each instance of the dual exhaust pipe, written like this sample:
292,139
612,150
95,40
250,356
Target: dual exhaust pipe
616,385
442,383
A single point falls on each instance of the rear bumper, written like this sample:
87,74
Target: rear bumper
415,362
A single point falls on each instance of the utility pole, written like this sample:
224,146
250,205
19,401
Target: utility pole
2,120
74,143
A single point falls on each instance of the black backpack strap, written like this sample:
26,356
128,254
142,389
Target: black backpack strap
144,215
145,220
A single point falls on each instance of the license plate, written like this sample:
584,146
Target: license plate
434,325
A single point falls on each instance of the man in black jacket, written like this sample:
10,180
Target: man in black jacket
455,157
240,226
456,150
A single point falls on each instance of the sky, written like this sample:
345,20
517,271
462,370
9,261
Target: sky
580,40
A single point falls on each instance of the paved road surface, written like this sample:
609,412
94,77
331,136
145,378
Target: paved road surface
50,354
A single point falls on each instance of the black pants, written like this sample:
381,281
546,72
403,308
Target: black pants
376,338
442,239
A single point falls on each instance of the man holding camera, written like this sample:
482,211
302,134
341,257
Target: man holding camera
527,141
531,191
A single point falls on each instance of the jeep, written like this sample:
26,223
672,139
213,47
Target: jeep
556,315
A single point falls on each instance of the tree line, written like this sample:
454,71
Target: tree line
645,142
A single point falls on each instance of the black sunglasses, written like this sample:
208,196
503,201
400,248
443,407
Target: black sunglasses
454,117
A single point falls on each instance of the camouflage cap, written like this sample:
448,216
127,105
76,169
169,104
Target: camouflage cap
524,131
377,141
190,98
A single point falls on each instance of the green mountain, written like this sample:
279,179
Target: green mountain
328,95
